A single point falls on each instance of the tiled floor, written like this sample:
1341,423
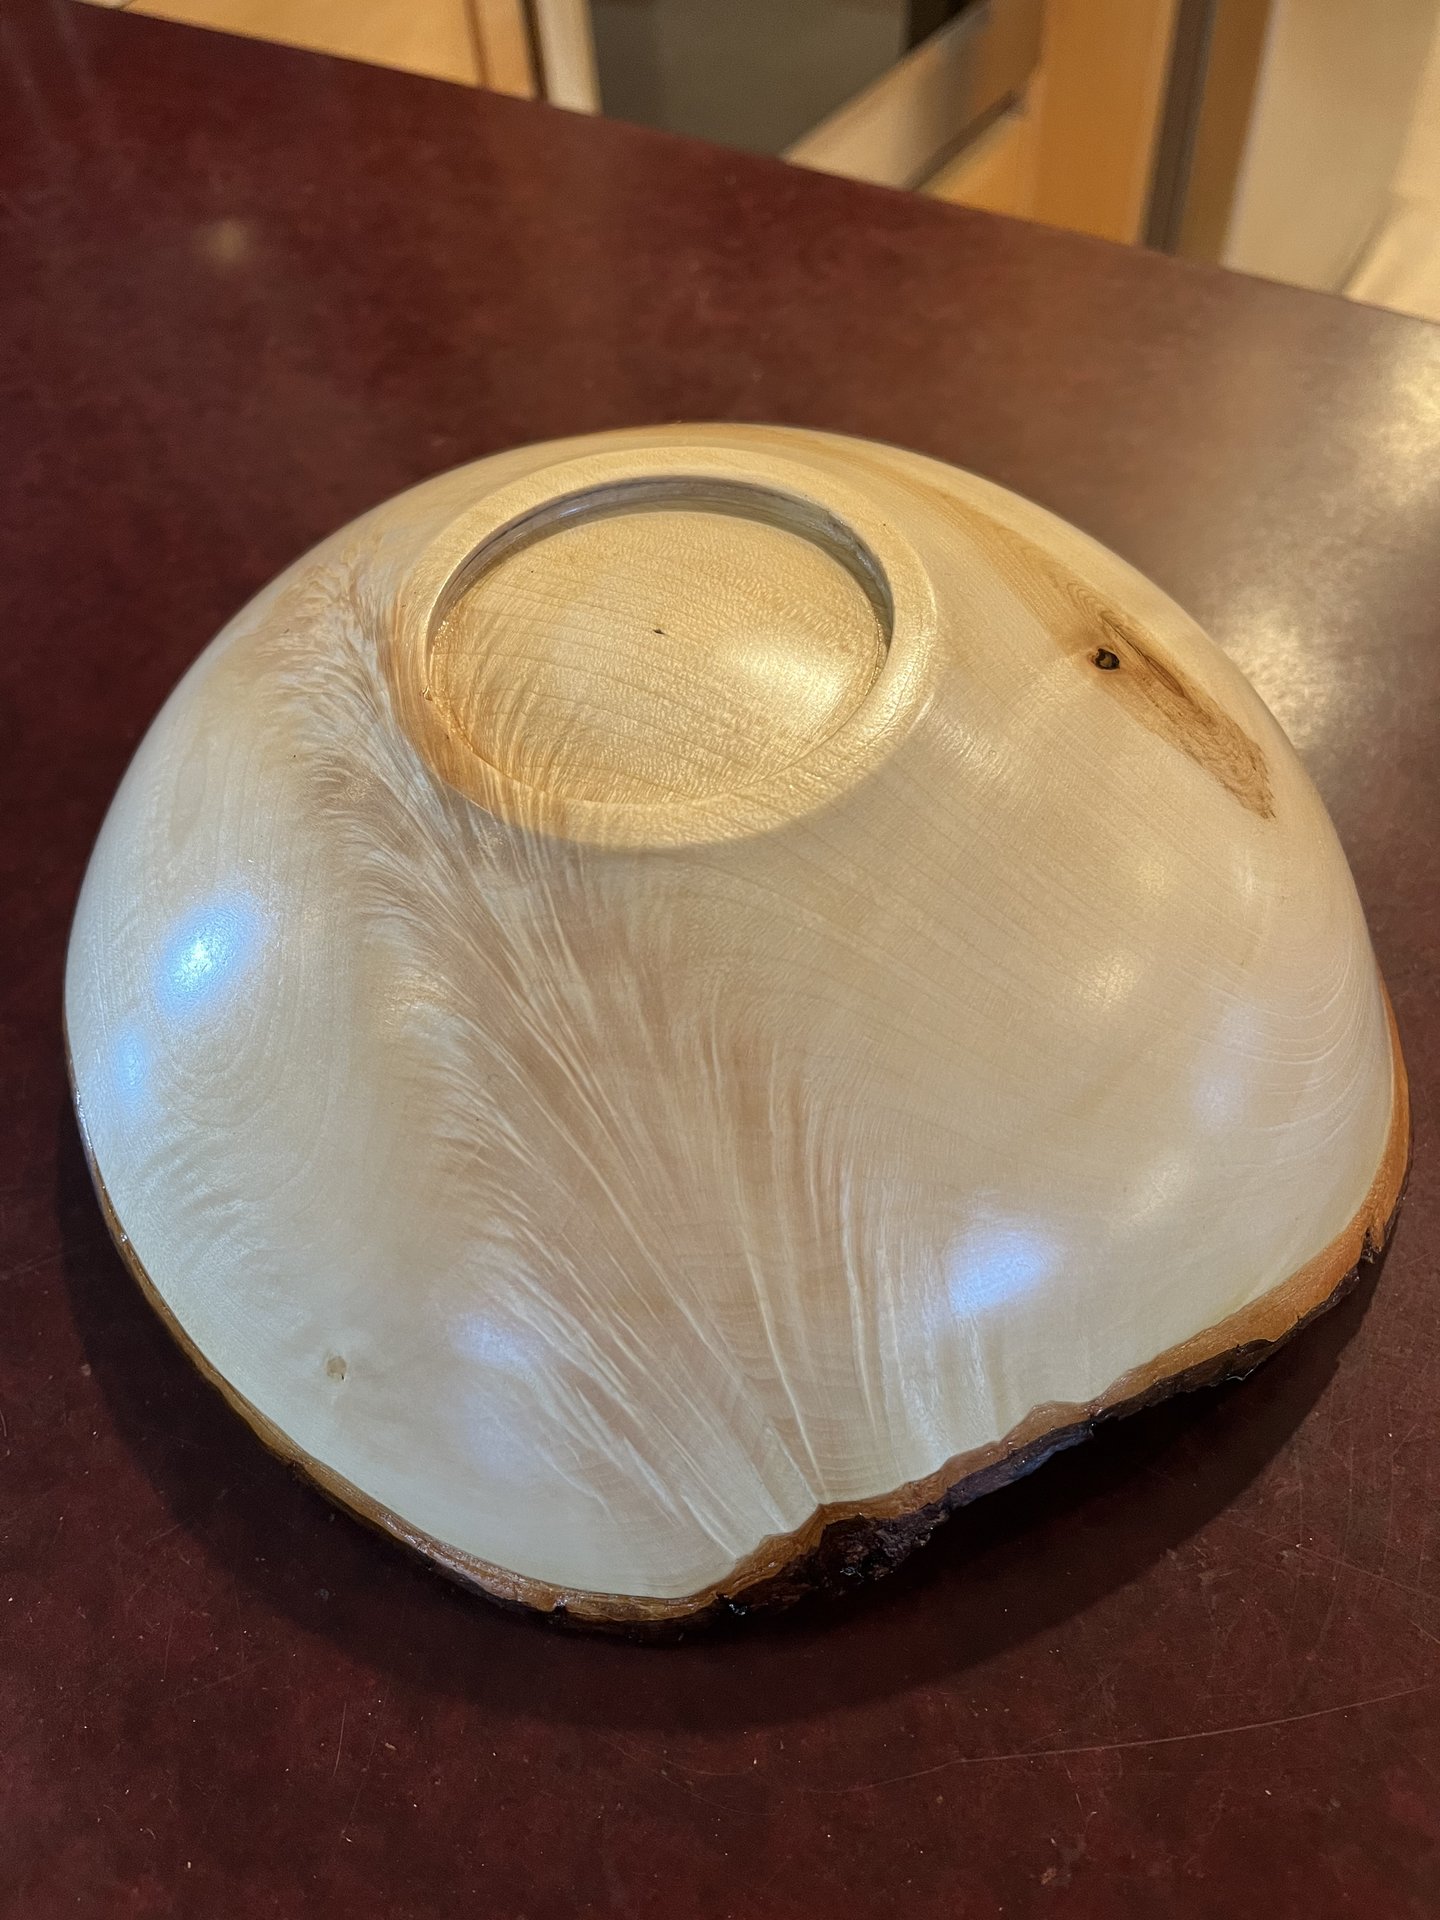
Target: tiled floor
1401,266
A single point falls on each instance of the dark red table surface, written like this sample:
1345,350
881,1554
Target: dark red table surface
1192,1668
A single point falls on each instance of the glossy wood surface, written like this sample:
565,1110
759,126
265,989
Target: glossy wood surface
1189,1669
601,1010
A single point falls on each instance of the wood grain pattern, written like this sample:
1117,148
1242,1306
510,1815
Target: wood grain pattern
655,650
1097,633
607,1124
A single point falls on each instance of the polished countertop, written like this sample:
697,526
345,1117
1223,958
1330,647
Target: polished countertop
1191,1668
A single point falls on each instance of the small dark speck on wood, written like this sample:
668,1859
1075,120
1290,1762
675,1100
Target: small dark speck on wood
1105,659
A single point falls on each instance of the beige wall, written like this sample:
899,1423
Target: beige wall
1332,109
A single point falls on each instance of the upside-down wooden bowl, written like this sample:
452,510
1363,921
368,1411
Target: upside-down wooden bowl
662,1008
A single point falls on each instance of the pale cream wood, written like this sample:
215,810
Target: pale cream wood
502,37
780,645
1107,70
660,990
434,37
